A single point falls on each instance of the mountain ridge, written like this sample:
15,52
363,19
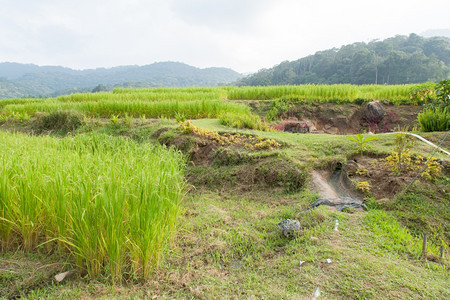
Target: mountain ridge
21,80
396,60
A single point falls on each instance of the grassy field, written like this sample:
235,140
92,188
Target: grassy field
112,186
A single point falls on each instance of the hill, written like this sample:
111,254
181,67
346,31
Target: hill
20,80
396,60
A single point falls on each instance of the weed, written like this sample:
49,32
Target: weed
62,122
362,141
363,187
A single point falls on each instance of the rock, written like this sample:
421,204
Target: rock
61,276
289,228
374,111
350,167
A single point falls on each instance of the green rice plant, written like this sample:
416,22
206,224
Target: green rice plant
434,119
109,203
169,109
338,93
242,120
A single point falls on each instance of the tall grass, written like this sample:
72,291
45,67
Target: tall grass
334,93
242,120
191,109
325,93
109,202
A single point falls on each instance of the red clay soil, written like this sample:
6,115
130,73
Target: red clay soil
349,118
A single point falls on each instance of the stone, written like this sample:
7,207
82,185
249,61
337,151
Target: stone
374,111
350,167
289,228
61,276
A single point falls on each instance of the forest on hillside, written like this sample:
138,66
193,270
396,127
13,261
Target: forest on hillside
396,60
22,80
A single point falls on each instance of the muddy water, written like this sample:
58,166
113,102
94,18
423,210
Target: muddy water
336,190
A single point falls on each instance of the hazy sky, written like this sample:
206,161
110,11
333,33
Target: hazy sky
245,35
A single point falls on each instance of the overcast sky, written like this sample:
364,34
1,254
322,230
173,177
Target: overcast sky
245,35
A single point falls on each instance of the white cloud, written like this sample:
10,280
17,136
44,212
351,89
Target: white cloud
245,35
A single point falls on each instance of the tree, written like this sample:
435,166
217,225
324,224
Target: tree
99,88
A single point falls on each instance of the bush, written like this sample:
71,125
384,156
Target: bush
58,121
434,119
242,120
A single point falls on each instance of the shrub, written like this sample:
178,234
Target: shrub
434,119
362,141
242,120
58,121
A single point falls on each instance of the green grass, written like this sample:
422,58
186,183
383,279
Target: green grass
228,246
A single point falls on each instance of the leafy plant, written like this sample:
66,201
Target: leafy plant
362,141
403,143
422,94
434,119
436,116
443,93
180,117
114,119
363,187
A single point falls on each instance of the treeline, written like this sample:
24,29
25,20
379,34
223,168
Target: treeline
19,80
397,60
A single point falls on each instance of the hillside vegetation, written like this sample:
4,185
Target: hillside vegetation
19,80
397,60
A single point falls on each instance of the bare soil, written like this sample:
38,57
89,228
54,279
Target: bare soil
349,118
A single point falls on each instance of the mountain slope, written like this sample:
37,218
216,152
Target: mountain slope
19,80
397,60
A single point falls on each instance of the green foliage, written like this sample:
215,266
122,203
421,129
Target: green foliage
337,93
109,204
403,143
422,93
435,116
278,107
392,237
362,141
434,119
242,120
443,92
56,80
180,117
397,60
58,121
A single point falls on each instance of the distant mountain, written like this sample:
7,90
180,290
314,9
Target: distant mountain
21,80
397,60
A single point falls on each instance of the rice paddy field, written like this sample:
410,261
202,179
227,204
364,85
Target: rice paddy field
108,185
199,102
109,203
